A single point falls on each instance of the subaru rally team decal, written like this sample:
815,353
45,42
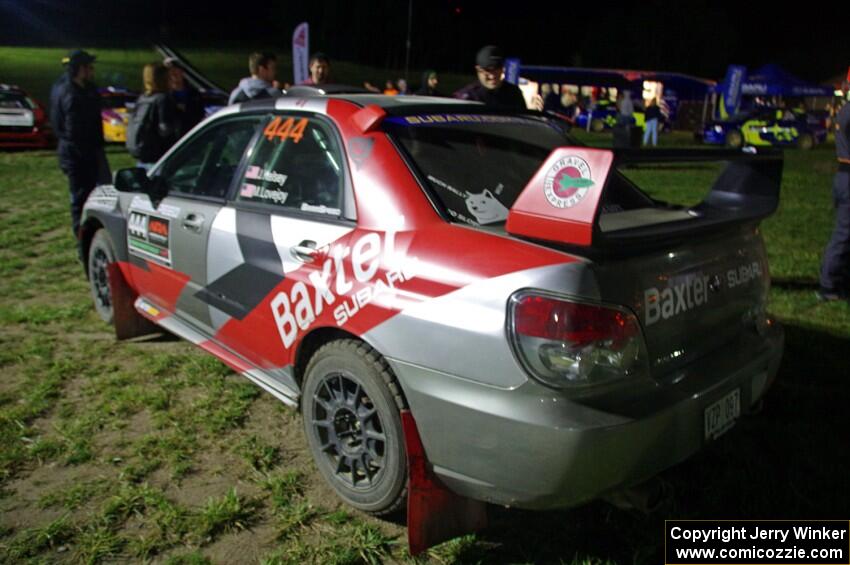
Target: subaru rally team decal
299,308
567,182
695,291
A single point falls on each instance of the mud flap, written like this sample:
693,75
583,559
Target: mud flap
128,323
434,513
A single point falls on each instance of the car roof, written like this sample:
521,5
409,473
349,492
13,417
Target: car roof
11,88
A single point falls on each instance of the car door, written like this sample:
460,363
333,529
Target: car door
291,205
173,235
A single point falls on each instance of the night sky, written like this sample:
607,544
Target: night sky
699,37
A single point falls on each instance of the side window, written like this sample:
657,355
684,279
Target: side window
296,165
206,165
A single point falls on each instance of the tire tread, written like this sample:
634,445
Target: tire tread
377,362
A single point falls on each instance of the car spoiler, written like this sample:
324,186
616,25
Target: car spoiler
580,198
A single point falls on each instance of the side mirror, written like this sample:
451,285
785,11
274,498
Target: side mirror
136,179
132,180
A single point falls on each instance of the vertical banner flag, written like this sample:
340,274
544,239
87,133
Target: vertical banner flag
732,84
512,70
301,52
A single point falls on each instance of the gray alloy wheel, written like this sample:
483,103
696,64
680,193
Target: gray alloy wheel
101,254
350,405
735,139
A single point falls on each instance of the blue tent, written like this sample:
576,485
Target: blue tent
773,80
686,87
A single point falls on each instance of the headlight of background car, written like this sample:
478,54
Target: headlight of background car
718,129
568,344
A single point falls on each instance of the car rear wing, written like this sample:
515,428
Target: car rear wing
579,197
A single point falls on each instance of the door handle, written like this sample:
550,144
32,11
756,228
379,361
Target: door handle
305,251
193,222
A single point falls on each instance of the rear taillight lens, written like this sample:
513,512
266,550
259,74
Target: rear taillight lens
564,343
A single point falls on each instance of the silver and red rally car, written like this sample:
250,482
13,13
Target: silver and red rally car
476,280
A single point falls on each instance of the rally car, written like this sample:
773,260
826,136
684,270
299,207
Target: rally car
416,272
604,116
766,126
23,122
116,105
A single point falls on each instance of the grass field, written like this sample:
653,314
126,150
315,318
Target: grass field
154,451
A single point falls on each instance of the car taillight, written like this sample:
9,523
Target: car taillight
564,343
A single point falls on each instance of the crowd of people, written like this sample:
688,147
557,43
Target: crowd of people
170,106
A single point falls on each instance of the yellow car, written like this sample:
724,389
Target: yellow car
116,105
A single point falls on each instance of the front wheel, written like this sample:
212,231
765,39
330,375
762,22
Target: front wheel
350,406
101,254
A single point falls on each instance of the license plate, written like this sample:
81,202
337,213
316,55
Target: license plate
721,416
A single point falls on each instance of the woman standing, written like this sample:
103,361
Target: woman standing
153,126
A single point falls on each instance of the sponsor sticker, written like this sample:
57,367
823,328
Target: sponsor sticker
567,182
149,237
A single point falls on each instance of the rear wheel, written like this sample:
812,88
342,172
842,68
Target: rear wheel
735,139
351,405
101,254
805,142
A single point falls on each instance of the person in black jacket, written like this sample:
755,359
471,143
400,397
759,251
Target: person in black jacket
154,124
75,117
491,87
187,98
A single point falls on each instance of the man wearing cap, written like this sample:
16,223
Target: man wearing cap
491,88
75,117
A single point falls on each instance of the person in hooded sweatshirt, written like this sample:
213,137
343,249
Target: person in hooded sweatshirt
263,68
430,81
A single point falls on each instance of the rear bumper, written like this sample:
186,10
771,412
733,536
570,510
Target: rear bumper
39,139
531,447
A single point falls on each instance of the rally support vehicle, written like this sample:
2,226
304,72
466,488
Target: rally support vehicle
766,126
23,122
459,301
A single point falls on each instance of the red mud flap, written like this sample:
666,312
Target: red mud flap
434,513
128,323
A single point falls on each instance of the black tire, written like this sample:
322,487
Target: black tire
101,254
351,404
805,142
735,139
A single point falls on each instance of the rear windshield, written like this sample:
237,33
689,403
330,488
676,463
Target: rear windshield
477,165
13,100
